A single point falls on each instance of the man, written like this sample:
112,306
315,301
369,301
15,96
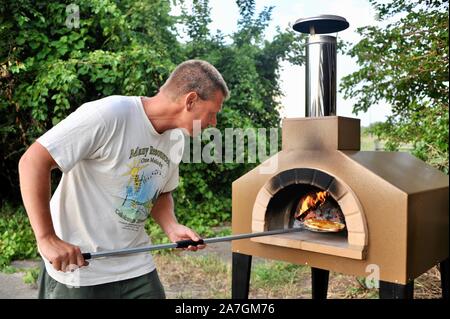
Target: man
116,155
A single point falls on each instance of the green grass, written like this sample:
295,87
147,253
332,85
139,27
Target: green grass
274,274
187,275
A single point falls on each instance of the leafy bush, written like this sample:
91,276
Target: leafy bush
129,48
48,69
16,236
31,276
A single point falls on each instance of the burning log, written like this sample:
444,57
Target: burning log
310,201
317,211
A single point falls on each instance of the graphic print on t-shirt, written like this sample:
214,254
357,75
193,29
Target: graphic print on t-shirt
146,168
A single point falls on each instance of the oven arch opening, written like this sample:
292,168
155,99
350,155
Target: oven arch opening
277,201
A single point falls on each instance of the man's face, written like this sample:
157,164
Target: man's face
205,111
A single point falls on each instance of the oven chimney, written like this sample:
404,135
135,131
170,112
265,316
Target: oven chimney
320,78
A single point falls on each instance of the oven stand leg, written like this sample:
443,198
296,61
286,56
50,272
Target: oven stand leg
390,290
444,269
319,279
240,276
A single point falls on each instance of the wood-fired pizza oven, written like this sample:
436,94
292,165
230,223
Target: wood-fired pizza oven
395,206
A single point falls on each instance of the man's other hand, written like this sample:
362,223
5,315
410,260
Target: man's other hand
180,232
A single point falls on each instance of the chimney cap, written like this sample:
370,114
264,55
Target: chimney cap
324,23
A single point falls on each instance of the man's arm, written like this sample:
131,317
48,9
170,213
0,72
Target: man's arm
35,171
163,213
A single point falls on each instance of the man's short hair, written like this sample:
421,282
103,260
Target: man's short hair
198,76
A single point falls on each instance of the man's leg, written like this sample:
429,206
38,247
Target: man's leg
147,286
42,282
49,288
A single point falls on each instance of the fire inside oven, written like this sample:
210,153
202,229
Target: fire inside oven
305,206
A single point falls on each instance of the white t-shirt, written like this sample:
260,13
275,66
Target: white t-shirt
114,166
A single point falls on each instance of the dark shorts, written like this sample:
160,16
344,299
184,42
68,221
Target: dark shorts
147,286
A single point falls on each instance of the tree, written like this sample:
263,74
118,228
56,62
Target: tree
406,64
49,67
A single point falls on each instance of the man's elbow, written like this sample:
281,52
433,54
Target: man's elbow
23,162
27,160
38,157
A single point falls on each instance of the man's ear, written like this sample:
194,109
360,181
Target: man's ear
190,100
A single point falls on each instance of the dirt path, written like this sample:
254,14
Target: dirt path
12,285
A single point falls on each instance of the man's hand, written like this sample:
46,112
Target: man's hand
163,214
62,255
179,232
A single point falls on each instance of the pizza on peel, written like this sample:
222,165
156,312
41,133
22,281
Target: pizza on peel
323,225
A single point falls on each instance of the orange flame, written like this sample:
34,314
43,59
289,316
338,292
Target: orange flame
312,201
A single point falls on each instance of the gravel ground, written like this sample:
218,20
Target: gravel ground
12,285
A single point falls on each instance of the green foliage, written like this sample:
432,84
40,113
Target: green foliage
16,236
9,269
31,276
406,64
48,69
